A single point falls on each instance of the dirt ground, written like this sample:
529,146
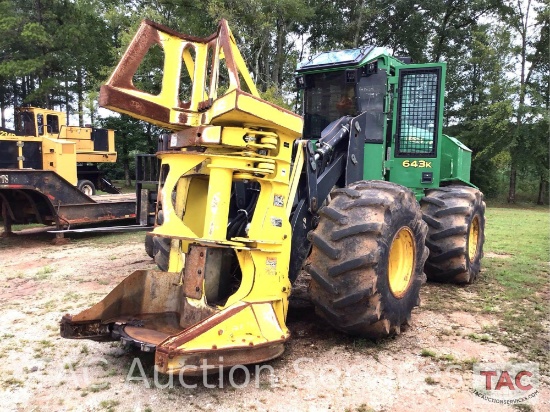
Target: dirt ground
427,367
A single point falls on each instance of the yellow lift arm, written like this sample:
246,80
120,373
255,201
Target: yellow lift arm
223,134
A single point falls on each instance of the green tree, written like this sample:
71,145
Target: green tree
53,52
521,23
538,89
131,136
264,30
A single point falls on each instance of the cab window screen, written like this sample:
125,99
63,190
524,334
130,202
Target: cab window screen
417,117
327,97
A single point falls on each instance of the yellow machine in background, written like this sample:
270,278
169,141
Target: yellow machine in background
49,174
43,141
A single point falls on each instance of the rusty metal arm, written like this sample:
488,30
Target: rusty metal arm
200,57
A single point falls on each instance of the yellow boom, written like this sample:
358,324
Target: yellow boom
224,298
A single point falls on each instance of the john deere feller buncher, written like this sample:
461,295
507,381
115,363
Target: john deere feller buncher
365,193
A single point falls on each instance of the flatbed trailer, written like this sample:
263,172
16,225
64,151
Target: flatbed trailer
42,196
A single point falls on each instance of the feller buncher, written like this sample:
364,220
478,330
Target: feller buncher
364,193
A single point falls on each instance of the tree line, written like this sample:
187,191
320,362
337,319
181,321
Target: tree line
56,54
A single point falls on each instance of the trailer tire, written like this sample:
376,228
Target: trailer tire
367,259
86,187
456,232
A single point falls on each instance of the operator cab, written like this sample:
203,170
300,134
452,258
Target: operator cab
355,81
332,90
31,121
395,108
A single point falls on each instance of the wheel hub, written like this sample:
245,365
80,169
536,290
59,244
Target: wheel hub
87,190
401,262
473,237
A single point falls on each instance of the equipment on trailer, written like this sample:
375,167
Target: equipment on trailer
49,174
43,141
249,194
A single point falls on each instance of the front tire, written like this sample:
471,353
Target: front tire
456,232
367,258
161,252
149,246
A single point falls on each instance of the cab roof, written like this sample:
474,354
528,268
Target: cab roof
342,58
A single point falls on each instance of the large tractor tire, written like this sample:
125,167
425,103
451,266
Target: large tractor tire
367,258
456,232
161,252
159,247
149,246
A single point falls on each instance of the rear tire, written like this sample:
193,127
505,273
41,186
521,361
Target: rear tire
86,187
456,232
367,258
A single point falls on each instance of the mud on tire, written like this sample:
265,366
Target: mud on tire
161,252
159,247
149,246
456,232
349,262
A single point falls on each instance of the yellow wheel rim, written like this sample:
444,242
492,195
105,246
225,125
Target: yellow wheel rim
473,237
401,262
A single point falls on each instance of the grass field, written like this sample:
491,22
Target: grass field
429,364
513,284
